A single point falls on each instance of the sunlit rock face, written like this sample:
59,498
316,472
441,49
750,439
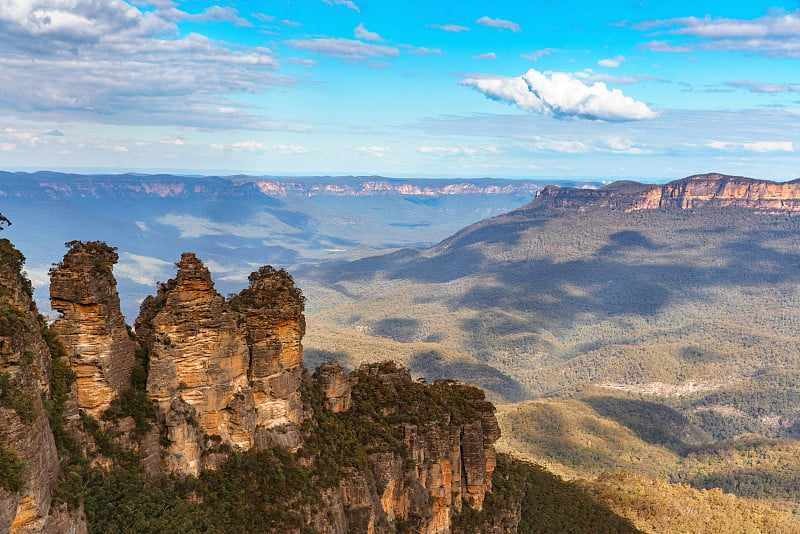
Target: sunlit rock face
91,326
703,190
225,375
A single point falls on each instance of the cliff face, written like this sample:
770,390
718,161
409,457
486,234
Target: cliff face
369,452
225,376
30,463
91,327
712,190
441,461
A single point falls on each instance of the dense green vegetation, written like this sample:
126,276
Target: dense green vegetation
10,470
547,503
673,331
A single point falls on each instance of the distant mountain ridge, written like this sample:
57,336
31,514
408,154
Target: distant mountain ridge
712,189
56,185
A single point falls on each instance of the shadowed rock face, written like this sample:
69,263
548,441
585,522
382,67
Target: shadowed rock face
224,374
714,190
26,365
92,328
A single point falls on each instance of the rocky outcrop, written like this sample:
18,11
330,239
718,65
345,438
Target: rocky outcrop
91,327
271,311
446,432
704,190
30,462
225,375
335,385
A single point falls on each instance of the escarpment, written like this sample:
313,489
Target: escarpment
29,460
207,420
91,327
702,190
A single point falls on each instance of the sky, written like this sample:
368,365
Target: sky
430,89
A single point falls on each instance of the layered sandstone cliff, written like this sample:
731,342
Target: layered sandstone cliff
441,459
91,327
30,462
705,190
225,375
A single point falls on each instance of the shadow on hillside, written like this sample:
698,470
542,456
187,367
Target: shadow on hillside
654,423
313,358
433,366
397,329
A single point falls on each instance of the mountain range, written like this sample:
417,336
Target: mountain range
240,222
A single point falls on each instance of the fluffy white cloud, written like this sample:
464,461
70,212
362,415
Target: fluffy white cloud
349,49
361,32
561,95
611,62
488,55
776,34
758,146
499,23
107,61
454,28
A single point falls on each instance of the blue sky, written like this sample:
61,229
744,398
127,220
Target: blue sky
504,88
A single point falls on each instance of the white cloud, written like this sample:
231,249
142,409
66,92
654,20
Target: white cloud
349,49
8,147
143,270
561,95
345,3
361,32
765,87
142,226
454,151
244,147
609,144
536,54
453,28
776,34
119,148
376,151
758,146
488,55
499,23
107,61
664,46
422,51
288,149
611,62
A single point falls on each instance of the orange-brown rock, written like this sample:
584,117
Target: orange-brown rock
225,375
91,326
712,190
198,367
335,385
452,461
26,369
271,310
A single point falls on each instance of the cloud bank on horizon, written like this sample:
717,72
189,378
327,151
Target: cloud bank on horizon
341,86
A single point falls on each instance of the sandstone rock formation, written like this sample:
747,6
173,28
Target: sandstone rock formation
449,463
336,386
225,375
30,459
91,327
712,190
